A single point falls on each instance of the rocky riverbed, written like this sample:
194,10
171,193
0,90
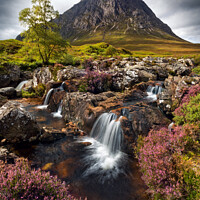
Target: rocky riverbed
142,93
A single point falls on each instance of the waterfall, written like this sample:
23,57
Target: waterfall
152,92
62,87
107,130
46,101
58,114
105,158
21,85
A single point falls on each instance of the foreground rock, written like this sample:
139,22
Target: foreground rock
17,125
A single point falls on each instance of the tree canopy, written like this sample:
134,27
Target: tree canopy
41,28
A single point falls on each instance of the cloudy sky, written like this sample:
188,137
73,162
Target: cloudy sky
183,16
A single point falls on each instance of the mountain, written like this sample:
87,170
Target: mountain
113,21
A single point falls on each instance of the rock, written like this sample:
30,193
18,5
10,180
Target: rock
3,100
10,76
50,135
6,155
55,100
8,92
42,75
143,118
84,108
17,125
70,73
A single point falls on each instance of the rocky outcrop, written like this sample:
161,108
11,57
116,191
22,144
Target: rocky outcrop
17,125
8,92
85,108
70,73
169,99
42,75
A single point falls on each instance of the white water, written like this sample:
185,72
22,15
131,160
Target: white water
104,157
21,85
152,92
58,114
46,101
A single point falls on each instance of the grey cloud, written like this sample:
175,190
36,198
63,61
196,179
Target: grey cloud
180,15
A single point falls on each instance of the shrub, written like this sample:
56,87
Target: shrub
27,94
189,109
196,70
98,81
68,59
111,51
19,181
40,89
161,156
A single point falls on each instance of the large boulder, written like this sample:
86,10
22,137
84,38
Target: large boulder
85,108
8,92
17,125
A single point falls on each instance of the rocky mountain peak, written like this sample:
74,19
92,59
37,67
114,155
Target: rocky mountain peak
101,18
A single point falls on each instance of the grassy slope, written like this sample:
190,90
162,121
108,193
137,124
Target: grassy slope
144,45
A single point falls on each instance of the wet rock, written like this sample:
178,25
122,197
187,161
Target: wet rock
50,135
17,125
143,118
85,108
55,100
8,92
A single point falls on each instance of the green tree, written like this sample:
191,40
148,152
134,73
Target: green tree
41,29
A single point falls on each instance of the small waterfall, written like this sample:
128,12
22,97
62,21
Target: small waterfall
105,158
21,85
152,92
46,101
107,130
58,114
62,87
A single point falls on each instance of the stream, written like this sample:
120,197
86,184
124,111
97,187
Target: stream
91,168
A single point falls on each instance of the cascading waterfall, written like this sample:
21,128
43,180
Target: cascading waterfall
46,101
104,157
58,114
152,92
20,86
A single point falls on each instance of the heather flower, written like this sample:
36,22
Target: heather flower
160,154
19,181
